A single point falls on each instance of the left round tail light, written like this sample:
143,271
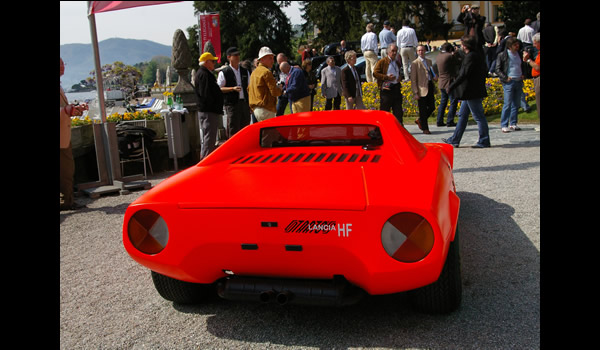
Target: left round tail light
148,231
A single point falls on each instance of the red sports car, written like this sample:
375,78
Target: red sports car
312,208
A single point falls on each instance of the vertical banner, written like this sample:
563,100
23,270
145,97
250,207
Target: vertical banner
210,30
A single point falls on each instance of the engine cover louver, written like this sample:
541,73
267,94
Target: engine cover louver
307,158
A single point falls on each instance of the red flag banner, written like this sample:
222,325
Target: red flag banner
210,30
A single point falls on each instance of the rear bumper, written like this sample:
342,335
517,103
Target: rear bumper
205,243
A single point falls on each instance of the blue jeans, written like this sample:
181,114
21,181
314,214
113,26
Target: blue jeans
442,107
474,107
512,99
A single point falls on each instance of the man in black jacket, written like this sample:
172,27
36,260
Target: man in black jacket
210,103
469,88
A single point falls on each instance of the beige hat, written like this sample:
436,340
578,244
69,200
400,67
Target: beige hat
264,51
207,56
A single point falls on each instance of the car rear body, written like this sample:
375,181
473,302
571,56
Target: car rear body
304,211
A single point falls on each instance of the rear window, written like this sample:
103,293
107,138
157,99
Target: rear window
321,135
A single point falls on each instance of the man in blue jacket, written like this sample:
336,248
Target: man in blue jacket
297,88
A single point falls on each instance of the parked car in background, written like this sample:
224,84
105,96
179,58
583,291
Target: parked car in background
331,49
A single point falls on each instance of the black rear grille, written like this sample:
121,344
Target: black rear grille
322,157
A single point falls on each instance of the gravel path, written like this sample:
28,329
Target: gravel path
107,301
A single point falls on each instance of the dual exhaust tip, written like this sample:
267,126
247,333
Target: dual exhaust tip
281,298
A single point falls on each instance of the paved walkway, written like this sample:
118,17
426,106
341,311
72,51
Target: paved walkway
529,133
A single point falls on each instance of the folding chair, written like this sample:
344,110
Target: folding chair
135,153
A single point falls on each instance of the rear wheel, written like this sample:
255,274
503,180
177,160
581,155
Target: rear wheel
445,294
180,291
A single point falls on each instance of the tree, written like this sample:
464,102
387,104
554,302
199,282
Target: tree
347,19
336,20
514,13
118,76
250,25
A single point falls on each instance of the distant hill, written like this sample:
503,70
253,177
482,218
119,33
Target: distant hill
79,58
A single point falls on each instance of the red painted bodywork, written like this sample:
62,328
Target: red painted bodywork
214,207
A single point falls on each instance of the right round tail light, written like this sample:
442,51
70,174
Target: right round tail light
407,237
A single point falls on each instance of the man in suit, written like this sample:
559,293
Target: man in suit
421,82
331,84
389,75
351,85
447,65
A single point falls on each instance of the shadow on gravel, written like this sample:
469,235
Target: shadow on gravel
500,307
504,167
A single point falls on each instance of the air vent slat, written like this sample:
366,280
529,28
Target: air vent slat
298,157
310,156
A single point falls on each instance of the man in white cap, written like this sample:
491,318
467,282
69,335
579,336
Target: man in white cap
210,103
263,89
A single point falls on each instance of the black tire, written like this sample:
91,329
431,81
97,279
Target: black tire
180,291
445,294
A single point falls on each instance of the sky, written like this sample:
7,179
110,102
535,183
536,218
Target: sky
156,23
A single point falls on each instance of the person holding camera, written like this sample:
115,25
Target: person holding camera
474,23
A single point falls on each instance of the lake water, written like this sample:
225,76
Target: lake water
81,96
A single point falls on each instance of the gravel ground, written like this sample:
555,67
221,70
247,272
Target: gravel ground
107,301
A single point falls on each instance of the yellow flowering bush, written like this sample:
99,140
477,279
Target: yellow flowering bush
492,104
137,115
115,117
78,122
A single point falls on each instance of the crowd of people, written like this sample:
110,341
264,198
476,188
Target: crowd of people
248,92
390,58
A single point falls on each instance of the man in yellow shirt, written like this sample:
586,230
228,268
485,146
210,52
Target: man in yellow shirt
263,89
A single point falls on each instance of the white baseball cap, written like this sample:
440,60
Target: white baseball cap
264,51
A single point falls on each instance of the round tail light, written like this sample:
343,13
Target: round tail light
148,231
407,237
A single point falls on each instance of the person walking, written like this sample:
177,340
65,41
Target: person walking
469,87
263,89
368,45
388,75
423,88
509,68
447,65
210,103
